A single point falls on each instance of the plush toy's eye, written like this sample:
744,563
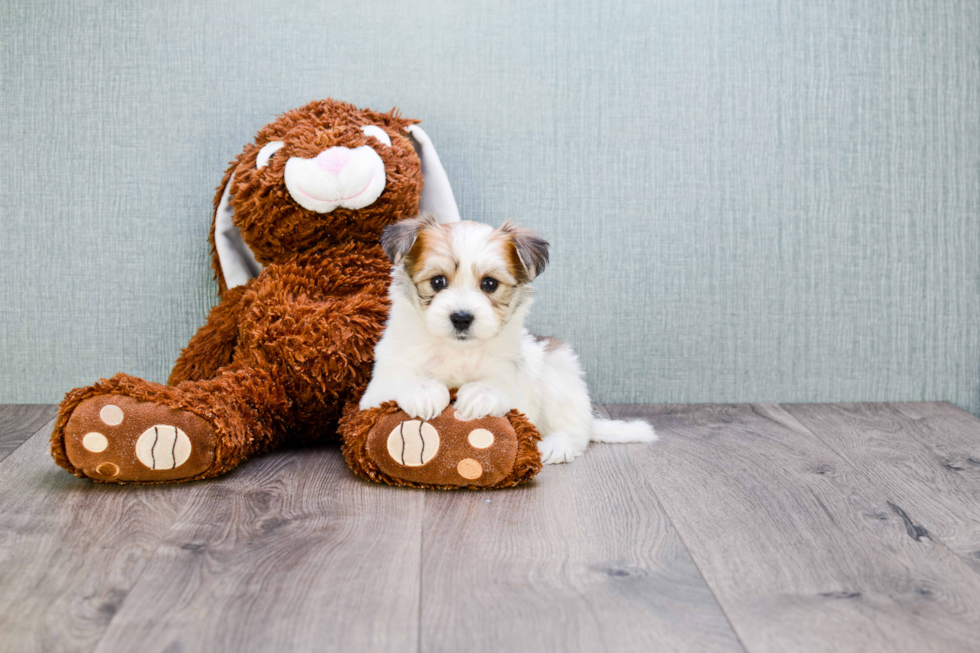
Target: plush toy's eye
378,133
438,283
262,160
489,284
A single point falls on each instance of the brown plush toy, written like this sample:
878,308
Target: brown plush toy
288,349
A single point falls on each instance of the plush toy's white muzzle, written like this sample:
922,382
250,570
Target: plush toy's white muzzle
337,177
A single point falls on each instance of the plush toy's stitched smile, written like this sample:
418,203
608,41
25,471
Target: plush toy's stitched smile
336,199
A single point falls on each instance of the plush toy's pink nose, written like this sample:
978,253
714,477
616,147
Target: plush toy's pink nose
333,160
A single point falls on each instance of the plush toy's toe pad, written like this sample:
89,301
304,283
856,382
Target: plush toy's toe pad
116,438
444,451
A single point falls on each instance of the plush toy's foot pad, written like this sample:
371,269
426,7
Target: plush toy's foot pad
444,451
115,438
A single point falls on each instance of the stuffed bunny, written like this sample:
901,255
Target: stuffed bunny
303,285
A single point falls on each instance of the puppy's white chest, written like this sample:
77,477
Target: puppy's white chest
454,368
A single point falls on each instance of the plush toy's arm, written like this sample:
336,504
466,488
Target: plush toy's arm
214,343
328,342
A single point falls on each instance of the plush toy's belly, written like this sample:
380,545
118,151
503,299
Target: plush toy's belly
313,322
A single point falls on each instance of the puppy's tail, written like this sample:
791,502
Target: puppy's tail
617,430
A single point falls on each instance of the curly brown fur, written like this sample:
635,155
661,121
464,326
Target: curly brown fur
213,346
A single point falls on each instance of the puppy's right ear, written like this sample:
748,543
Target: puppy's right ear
398,239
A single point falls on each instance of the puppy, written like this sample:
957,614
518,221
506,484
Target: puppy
459,296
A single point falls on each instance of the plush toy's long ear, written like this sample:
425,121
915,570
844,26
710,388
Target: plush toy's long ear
437,195
238,263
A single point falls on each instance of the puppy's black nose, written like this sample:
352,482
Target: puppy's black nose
461,321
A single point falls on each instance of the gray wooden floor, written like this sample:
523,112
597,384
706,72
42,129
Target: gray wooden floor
747,528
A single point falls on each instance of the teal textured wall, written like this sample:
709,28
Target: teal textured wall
765,201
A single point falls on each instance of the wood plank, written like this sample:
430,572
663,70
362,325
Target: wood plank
289,553
926,456
19,422
581,559
70,550
802,551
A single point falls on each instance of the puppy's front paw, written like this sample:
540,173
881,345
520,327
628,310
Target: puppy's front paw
375,395
478,400
424,399
559,448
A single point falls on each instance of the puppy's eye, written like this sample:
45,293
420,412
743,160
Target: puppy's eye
262,160
438,283
489,284
378,133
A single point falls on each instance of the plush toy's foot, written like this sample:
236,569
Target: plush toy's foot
113,438
386,445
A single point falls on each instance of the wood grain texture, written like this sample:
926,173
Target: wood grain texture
70,550
582,559
925,456
802,551
291,552
19,422
756,528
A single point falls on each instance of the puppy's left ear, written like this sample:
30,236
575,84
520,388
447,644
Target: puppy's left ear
531,248
398,239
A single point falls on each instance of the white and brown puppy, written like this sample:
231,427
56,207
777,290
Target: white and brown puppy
459,296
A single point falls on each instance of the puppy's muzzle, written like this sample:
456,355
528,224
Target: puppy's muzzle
461,321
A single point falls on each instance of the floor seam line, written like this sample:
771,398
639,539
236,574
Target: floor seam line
180,513
690,555
418,641
697,567
50,423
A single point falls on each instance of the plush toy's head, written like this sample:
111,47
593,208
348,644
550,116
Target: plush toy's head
323,174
